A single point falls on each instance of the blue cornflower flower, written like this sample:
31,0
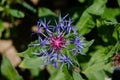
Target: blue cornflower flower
55,59
43,42
65,60
55,41
45,25
79,43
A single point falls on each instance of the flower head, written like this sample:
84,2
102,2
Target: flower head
58,41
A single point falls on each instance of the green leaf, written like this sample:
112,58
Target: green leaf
45,12
77,76
15,13
31,63
86,22
106,32
109,67
26,5
30,60
96,61
97,8
81,1
1,27
113,50
1,8
116,33
8,70
87,45
109,25
111,14
118,2
94,67
56,74
35,72
68,75
31,50
95,58
96,75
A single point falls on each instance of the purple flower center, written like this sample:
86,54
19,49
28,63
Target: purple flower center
57,42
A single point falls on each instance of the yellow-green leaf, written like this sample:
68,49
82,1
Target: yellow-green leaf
8,70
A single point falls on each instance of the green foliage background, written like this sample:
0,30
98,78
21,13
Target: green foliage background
96,20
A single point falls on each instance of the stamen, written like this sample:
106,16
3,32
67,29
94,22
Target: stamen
57,42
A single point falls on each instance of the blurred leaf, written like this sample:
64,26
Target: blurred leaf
26,5
16,13
81,1
56,74
35,72
100,50
111,14
118,2
68,75
1,27
3,1
96,75
95,71
109,67
106,32
45,12
51,69
97,8
109,25
8,70
94,67
75,16
86,22
96,61
31,63
59,74
77,76
7,33
87,45
116,33
101,22
30,50
1,8
112,51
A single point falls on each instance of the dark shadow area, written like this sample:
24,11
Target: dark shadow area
112,3
43,75
116,75
83,75
25,73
